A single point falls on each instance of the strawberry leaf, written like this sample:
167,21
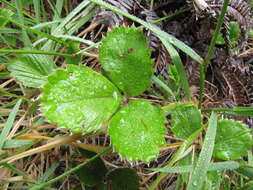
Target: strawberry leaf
79,99
125,57
137,131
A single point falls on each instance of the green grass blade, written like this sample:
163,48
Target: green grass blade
25,39
227,165
48,173
9,124
70,16
164,86
201,168
177,156
15,170
236,111
36,4
28,51
13,143
180,67
211,49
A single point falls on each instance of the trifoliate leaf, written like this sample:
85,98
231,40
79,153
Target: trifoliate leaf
233,139
32,70
125,57
185,120
123,179
79,99
137,131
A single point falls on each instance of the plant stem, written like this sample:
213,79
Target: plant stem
211,50
30,51
40,186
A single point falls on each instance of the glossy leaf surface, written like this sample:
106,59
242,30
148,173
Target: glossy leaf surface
125,57
137,131
79,99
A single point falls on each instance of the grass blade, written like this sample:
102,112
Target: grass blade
9,124
236,111
177,156
228,165
180,67
25,39
15,170
31,51
201,168
211,50
164,86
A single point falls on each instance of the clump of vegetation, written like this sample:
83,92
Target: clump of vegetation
90,112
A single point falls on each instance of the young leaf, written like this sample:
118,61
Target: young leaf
234,32
185,120
125,57
232,141
79,99
32,70
137,131
123,179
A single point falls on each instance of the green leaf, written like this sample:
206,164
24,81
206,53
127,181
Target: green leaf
201,168
125,57
232,141
79,99
228,165
32,70
234,32
94,172
185,120
123,179
137,131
